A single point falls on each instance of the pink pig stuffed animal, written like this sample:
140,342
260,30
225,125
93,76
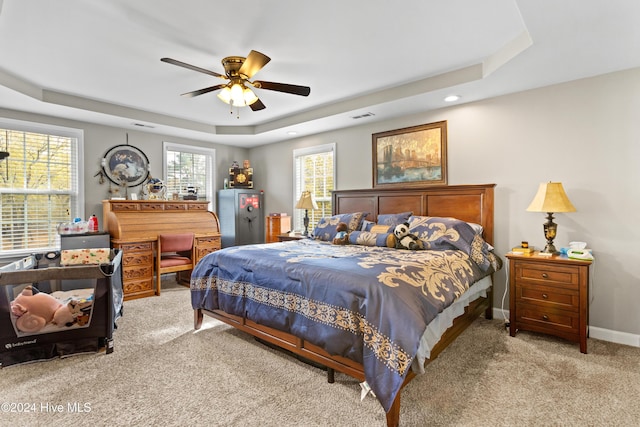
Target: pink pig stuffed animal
35,310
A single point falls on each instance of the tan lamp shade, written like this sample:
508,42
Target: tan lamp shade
551,198
306,201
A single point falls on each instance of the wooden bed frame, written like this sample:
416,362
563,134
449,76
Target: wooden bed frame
471,203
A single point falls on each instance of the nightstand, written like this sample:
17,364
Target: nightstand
276,225
549,295
285,237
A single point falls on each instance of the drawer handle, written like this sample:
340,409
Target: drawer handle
545,276
545,296
545,317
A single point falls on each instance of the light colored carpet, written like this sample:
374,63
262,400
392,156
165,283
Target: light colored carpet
162,372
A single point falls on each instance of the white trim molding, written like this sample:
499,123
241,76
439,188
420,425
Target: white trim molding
614,336
617,337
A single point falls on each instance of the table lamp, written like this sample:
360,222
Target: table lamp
306,202
550,198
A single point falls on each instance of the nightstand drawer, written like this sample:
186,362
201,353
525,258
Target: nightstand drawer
559,320
545,296
538,273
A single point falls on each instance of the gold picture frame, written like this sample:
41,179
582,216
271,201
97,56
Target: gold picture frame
410,157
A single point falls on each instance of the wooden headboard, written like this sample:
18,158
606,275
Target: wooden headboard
471,203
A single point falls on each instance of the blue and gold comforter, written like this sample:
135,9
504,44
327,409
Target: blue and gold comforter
369,304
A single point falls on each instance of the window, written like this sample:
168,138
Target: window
40,185
314,170
188,166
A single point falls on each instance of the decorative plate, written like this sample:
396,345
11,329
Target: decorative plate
126,165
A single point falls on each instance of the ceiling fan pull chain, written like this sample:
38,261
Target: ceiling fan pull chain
231,110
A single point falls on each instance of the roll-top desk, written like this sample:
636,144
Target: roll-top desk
134,226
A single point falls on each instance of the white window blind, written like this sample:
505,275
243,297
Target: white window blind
314,170
188,166
40,185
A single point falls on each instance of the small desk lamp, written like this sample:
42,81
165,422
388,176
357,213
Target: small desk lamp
550,198
306,202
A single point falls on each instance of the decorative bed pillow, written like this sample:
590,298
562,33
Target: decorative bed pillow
326,228
476,227
394,219
366,225
479,230
450,233
366,238
380,228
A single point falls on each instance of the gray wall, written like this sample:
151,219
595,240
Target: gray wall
584,134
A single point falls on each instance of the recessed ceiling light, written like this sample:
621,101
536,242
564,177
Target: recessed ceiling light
452,98
292,132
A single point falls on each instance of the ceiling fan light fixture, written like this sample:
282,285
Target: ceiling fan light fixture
225,95
249,96
237,95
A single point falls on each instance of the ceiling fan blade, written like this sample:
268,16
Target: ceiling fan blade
254,63
191,67
203,91
258,105
283,87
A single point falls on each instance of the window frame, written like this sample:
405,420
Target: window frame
298,214
194,149
77,193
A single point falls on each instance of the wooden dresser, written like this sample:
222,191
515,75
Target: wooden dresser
134,226
549,295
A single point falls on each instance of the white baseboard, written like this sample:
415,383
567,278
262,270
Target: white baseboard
594,332
614,336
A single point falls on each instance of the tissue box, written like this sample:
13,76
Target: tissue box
85,256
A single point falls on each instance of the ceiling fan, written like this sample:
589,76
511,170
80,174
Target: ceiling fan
239,70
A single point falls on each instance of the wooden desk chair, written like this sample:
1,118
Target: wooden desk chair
174,253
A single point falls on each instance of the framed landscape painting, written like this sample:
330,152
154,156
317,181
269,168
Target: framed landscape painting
410,157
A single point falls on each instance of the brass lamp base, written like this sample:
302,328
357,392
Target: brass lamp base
550,231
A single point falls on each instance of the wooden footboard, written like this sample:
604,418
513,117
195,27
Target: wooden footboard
316,354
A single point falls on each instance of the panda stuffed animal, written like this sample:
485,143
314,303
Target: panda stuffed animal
406,240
